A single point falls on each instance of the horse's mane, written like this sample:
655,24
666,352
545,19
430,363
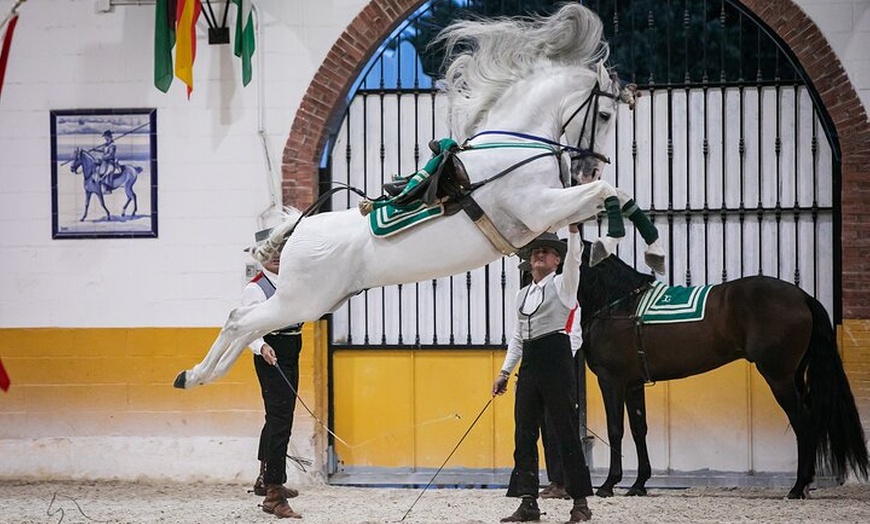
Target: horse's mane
607,283
487,57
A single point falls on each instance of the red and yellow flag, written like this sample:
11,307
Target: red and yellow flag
185,40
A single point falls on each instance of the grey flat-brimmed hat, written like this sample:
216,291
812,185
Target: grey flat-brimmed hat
548,240
259,237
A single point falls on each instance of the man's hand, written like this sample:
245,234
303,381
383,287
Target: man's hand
268,355
499,386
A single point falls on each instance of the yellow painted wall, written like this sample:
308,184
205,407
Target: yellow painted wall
117,382
410,408
393,408
854,342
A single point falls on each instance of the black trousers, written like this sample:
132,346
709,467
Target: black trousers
546,382
552,457
279,401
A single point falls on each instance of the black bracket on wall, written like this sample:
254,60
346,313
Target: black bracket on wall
217,34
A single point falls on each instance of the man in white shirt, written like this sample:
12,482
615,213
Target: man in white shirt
546,375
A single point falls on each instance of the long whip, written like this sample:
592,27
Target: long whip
315,417
448,457
122,135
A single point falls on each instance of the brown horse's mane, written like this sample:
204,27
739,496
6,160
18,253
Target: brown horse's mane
609,287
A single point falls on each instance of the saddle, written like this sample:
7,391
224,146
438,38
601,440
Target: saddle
449,181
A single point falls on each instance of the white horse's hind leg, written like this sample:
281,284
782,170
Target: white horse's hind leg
242,327
204,371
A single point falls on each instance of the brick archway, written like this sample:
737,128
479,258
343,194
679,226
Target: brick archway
323,103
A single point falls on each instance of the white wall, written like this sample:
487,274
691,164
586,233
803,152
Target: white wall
846,26
212,175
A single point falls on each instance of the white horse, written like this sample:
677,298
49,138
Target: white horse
518,87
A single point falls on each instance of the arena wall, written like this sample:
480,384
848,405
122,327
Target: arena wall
92,331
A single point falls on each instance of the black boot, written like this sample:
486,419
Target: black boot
528,511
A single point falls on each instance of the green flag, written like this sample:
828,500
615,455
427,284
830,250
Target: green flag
164,41
244,44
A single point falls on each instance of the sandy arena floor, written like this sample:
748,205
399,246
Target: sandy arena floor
122,502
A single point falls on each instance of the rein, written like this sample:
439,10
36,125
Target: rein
638,327
580,152
600,312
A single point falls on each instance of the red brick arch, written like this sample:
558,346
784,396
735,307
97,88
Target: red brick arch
323,104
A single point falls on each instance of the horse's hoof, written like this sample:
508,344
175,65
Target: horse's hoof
604,492
599,253
636,491
180,380
797,493
655,257
655,262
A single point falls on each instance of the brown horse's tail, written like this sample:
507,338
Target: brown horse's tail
836,424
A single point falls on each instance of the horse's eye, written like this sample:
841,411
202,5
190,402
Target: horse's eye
604,115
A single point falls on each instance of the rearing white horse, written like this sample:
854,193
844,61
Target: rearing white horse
526,96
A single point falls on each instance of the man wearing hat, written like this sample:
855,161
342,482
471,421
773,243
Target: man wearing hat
546,375
108,162
280,348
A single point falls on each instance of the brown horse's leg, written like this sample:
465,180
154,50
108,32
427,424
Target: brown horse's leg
785,392
635,403
613,393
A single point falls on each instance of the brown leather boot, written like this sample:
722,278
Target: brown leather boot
276,503
555,491
580,512
528,511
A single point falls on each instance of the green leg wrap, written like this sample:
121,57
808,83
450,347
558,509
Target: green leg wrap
642,222
615,225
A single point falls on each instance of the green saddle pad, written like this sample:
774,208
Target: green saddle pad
663,304
389,219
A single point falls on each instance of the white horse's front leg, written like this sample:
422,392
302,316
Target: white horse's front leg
655,254
578,204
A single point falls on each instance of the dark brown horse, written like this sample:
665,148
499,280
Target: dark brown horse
777,326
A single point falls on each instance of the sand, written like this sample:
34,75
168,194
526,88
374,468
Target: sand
92,502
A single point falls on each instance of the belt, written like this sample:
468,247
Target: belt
286,333
560,331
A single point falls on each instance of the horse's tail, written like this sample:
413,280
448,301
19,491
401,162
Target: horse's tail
836,424
278,236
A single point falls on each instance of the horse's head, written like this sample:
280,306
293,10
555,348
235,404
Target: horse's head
593,122
76,161
607,283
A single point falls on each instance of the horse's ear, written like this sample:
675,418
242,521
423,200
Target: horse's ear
629,94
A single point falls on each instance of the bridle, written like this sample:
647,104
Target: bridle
591,105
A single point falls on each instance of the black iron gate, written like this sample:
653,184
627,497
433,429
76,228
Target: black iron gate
728,150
